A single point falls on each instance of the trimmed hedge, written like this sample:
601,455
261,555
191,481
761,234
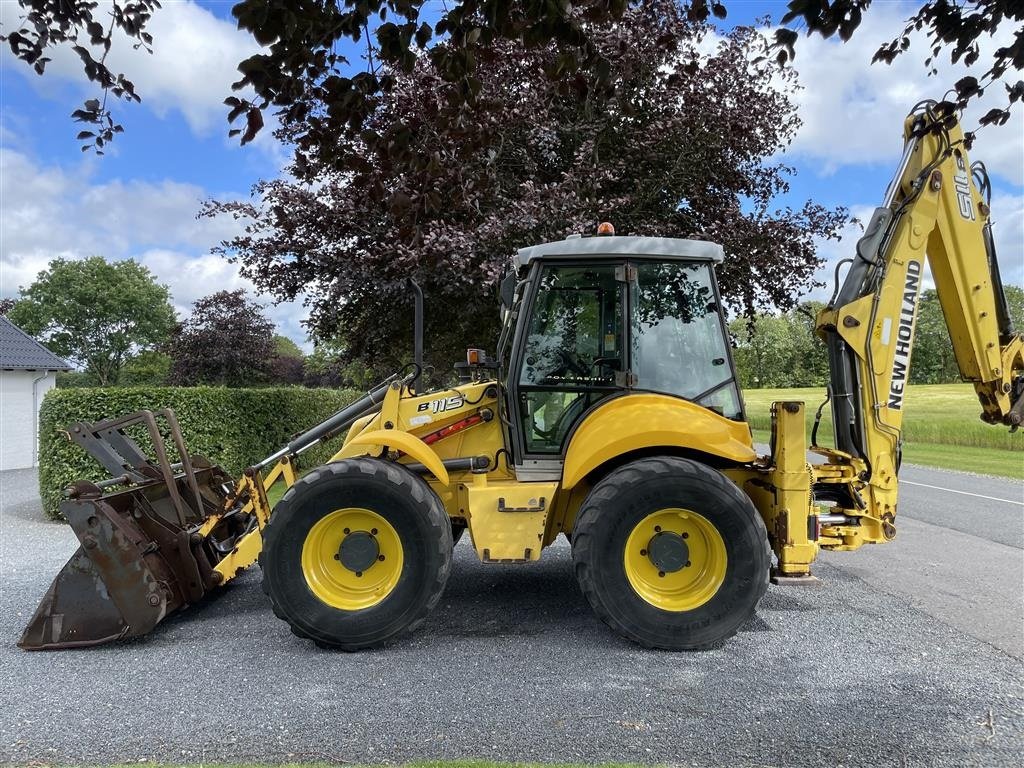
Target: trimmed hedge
232,427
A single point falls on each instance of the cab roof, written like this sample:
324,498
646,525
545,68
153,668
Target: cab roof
588,247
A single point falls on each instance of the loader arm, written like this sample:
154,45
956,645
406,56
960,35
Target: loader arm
937,207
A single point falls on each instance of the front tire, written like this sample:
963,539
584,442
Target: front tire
671,554
356,554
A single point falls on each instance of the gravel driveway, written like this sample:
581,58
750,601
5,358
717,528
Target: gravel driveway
513,666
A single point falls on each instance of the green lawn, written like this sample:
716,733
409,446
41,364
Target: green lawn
419,764
275,493
941,428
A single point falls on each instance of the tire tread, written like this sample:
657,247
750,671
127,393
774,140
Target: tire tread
585,535
404,482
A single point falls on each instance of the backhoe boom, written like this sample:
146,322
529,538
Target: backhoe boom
937,207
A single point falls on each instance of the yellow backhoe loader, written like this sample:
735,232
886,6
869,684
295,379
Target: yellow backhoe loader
610,414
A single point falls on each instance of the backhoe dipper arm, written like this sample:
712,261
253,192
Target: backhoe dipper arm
937,204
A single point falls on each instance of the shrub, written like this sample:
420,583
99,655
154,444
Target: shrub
232,427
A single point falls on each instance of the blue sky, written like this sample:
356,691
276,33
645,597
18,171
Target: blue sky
140,200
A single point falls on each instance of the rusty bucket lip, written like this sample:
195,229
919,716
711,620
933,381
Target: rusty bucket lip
68,644
106,589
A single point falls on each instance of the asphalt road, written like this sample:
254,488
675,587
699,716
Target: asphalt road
908,654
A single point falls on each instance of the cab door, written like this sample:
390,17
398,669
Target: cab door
572,353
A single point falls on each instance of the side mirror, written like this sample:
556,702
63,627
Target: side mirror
507,291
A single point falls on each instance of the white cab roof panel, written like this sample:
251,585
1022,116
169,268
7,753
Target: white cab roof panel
582,247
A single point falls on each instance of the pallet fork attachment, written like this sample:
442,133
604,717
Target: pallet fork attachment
172,535
140,556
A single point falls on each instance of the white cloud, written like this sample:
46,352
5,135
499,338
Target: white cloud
48,212
194,61
48,209
1007,224
853,110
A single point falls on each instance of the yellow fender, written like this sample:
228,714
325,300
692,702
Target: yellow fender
401,441
638,421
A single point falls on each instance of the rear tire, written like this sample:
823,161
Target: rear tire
701,562
356,554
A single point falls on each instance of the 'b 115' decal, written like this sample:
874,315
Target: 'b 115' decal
442,404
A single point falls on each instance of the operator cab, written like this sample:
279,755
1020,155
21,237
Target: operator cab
599,317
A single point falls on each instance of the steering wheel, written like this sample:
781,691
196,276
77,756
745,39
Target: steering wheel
613,362
568,363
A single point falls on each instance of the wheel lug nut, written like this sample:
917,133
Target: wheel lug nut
381,558
359,573
347,531
686,535
657,529
687,563
643,552
337,557
373,531
661,573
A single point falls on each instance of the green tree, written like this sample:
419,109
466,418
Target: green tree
810,356
285,347
780,350
762,351
1015,303
149,368
933,360
95,313
331,365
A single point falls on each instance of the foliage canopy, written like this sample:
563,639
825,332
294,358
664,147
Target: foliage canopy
780,350
235,428
319,96
679,145
227,340
95,313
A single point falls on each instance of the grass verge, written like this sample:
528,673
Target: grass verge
422,764
277,490
941,428
984,461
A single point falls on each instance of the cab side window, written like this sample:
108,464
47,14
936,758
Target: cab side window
678,341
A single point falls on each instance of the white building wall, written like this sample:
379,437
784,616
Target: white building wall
19,416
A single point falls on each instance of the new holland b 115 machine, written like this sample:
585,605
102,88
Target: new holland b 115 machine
610,414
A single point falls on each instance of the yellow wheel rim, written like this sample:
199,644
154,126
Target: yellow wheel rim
675,559
323,559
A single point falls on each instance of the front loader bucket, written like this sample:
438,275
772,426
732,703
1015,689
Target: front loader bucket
146,551
76,611
119,583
